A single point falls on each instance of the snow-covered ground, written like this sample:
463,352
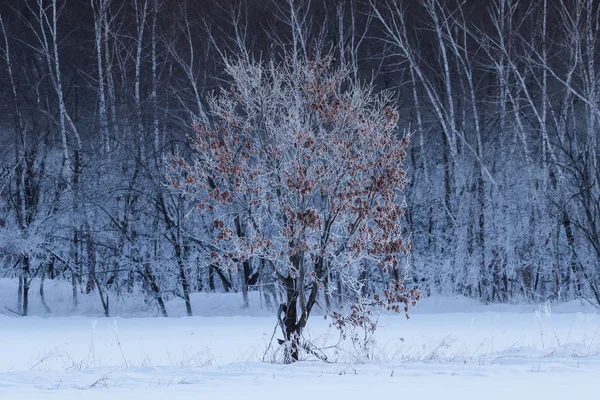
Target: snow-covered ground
462,351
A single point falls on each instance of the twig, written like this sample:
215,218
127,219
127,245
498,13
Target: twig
310,349
592,303
270,341
14,312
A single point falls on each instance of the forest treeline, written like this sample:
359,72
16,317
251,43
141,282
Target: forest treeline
502,99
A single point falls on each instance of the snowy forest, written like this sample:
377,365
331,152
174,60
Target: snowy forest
485,115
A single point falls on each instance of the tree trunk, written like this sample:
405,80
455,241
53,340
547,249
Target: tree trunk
185,285
26,283
74,287
155,289
211,277
42,298
20,294
290,319
326,291
91,256
244,283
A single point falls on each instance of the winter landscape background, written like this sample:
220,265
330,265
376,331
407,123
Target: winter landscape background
108,106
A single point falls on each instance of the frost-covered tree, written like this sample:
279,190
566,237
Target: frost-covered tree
302,169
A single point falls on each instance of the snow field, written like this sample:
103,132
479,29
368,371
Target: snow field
467,355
